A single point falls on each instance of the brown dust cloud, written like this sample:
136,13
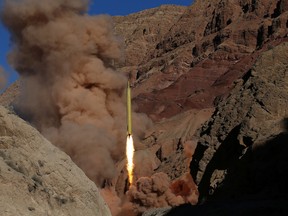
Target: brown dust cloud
3,79
69,89
72,94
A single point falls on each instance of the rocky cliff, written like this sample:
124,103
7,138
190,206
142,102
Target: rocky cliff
184,61
39,179
195,61
241,156
240,162
249,127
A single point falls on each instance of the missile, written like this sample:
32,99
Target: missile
129,115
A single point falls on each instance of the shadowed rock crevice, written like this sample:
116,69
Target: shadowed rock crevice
260,174
277,10
260,37
255,184
225,156
256,104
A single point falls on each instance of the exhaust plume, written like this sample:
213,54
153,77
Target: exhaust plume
70,90
153,192
130,158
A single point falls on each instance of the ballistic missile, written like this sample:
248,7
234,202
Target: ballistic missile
129,143
129,115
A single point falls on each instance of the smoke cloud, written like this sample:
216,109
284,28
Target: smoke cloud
153,192
3,79
70,90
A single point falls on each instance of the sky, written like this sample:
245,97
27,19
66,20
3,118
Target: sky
110,7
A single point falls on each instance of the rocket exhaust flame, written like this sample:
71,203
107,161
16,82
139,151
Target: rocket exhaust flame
129,142
130,155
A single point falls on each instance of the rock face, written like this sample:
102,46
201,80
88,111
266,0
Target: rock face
242,151
39,179
195,61
172,141
142,32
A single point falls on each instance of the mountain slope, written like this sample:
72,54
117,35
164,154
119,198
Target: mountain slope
203,52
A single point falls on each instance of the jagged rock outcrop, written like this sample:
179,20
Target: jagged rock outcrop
142,31
242,151
212,44
39,179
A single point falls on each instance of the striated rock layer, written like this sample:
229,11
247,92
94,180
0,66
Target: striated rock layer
39,179
194,62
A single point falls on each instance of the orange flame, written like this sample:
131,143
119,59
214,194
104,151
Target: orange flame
130,154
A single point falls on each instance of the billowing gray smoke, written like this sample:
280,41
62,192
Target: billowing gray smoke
70,90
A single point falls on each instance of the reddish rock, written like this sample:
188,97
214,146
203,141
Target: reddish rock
197,60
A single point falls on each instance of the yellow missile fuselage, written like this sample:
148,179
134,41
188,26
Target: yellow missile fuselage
129,111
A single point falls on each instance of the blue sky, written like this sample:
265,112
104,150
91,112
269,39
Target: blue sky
111,7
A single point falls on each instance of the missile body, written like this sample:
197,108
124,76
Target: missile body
129,115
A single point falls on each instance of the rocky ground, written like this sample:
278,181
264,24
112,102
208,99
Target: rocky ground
223,59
